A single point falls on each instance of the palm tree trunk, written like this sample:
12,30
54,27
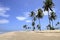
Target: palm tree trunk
33,26
49,18
39,24
52,23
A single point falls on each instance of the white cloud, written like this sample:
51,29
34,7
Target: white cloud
28,21
24,17
3,10
21,18
3,21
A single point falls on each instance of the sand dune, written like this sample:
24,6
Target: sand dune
31,35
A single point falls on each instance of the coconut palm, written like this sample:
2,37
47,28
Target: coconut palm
53,17
48,5
25,26
28,27
39,16
33,19
33,24
38,26
49,27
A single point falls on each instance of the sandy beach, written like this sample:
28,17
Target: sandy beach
31,35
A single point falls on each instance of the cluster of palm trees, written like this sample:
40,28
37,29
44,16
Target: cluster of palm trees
48,5
35,16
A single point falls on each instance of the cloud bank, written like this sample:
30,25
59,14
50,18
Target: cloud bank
3,21
21,18
3,11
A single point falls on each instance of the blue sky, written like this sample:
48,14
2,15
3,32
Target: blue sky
14,13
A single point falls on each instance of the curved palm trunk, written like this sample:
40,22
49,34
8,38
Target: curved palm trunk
33,26
39,24
52,23
53,26
49,19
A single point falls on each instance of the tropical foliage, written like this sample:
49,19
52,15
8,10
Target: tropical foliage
48,5
53,17
39,16
32,15
25,26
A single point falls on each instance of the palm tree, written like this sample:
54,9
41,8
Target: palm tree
25,26
52,17
50,28
39,16
33,24
33,19
38,26
28,27
48,5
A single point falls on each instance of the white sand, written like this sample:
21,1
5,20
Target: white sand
31,35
